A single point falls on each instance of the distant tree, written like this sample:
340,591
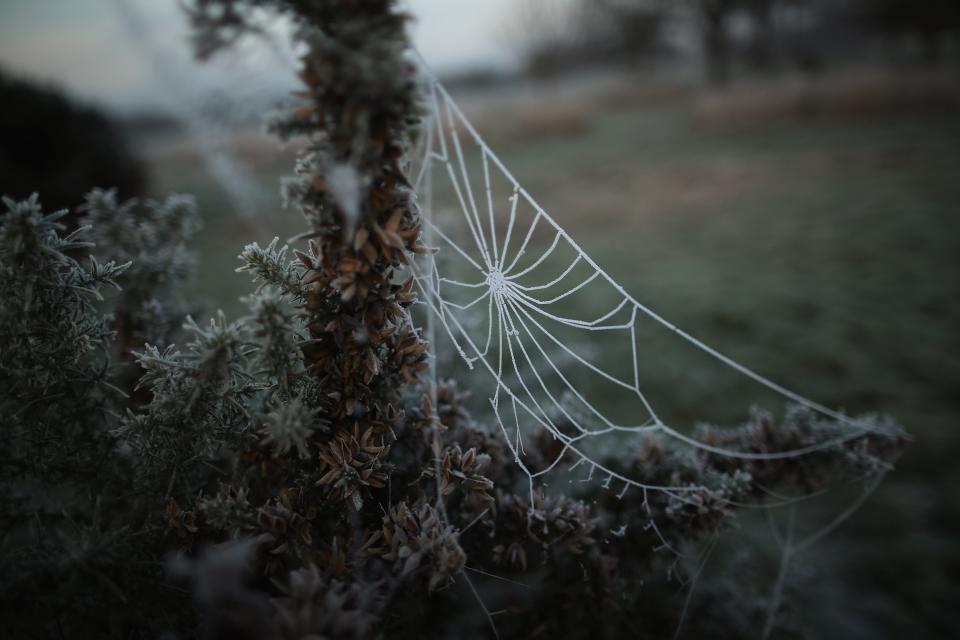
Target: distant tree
636,25
60,148
930,21
760,53
554,37
714,25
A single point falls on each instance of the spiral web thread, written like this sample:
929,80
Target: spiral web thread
535,307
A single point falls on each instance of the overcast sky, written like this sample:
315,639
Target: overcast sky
133,53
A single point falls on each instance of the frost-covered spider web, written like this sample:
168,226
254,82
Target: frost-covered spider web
561,340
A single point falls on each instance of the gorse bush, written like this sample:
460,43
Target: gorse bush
297,473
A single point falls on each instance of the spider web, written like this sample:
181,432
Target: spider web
520,300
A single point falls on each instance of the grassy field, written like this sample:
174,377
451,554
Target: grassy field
823,252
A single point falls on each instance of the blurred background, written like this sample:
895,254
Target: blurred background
779,177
